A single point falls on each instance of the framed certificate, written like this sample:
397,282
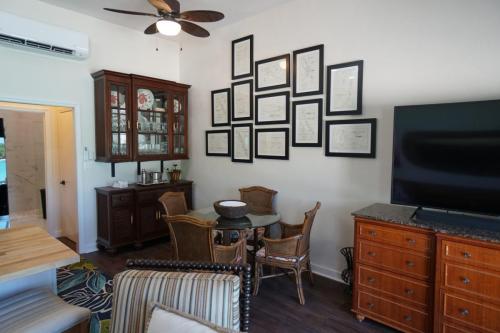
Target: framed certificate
272,143
218,143
272,73
345,88
272,108
241,143
242,100
308,71
242,58
351,138
221,107
307,119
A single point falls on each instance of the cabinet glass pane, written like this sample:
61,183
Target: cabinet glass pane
152,125
114,96
152,144
119,120
179,125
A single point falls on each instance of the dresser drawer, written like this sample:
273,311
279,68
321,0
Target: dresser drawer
452,328
411,291
471,254
395,313
471,280
480,315
415,265
386,235
122,199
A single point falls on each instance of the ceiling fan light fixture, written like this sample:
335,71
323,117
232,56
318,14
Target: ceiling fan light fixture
168,27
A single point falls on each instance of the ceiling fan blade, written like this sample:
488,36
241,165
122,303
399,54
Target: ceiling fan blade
201,15
193,29
129,12
151,30
166,5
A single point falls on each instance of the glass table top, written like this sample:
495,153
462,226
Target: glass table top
247,222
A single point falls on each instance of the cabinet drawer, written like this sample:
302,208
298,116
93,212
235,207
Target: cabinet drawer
398,237
452,328
121,200
480,315
402,288
471,254
397,260
394,313
150,196
474,281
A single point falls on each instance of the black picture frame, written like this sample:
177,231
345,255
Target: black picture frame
258,118
233,95
250,143
273,157
233,44
329,70
373,137
228,132
319,141
286,84
321,64
215,92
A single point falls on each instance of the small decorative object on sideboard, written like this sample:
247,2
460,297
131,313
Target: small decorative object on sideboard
174,175
231,209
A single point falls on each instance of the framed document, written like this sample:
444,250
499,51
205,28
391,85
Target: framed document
351,138
218,143
308,71
242,58
221,106
345,88
272,108
307,123
242,100
241,143
272,143
272,73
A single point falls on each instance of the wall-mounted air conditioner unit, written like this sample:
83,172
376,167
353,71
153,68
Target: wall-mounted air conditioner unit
28,34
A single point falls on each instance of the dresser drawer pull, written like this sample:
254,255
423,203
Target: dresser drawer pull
466,255
370,305
409,291
464,312
408,318
371,254
465,280
410,263
371,279
372,233
411,241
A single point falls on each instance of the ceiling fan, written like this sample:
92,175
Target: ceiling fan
172,20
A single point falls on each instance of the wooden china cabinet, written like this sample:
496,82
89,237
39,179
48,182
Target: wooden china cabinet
139,118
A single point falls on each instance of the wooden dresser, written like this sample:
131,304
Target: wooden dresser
425,277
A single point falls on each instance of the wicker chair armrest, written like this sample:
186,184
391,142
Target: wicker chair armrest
230,254
284,247
288,230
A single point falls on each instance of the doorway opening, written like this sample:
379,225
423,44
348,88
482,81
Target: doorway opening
40,164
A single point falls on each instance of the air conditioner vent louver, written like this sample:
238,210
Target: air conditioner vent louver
37,45
62,50
13,40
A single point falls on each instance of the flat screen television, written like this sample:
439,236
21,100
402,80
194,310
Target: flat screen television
447,156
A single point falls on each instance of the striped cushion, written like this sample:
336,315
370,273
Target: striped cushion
209,296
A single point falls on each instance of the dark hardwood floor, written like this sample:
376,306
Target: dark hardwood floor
276,308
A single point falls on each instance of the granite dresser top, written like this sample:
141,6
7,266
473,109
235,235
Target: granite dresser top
469,227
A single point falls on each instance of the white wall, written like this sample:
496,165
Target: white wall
415,52
30,77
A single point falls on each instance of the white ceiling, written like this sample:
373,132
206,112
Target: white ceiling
234,10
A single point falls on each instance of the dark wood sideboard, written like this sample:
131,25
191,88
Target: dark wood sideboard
132,215
425,278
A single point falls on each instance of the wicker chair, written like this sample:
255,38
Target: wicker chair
192,240
290,252
174,203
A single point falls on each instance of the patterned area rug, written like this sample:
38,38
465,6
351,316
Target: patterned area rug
84,285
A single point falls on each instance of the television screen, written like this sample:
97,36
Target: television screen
447,156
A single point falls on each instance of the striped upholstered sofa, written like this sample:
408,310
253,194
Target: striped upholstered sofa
212,292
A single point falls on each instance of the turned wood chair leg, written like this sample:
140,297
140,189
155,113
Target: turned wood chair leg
257,279
298,281
311,279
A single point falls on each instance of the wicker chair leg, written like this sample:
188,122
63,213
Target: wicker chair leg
298,281
258,267
311,279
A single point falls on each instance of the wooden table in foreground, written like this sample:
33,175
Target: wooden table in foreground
29,257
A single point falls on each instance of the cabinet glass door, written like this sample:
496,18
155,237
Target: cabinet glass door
120,122
179,124
152,122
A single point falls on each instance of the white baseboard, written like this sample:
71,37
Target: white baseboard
327,272
87,248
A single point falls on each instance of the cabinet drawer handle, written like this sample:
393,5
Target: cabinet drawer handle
372,254
132,219
408,318
411,241
467,255
370,305
372,233
409,291
410,263
465,280
371,279
464,312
